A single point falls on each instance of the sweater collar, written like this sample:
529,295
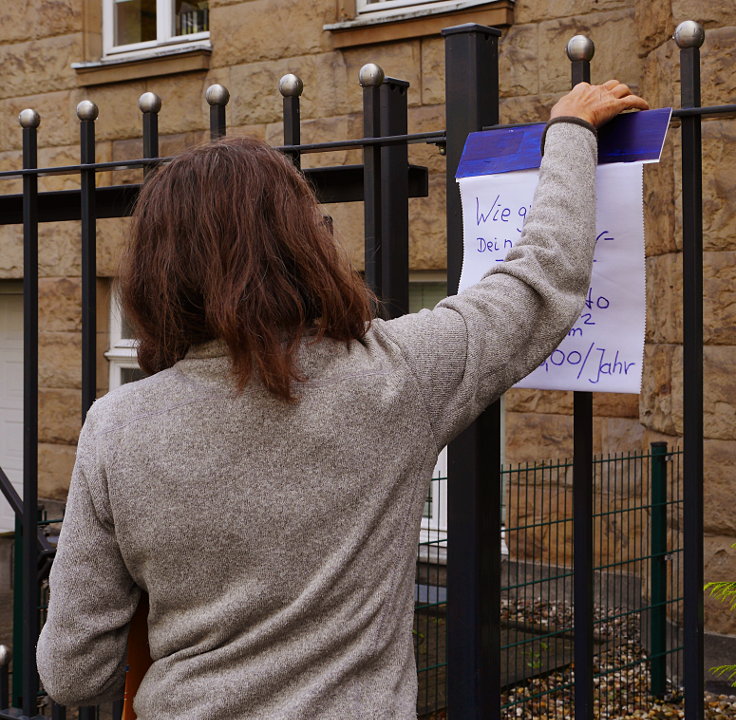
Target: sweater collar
209,349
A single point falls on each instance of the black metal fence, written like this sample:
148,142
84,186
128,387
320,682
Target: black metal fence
385,182
637,586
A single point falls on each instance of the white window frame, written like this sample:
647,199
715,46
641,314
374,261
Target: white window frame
388,8
434,526
164,29
123,352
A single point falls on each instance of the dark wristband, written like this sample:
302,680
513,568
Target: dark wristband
568,119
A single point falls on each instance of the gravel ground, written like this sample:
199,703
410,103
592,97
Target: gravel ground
717,707
621,690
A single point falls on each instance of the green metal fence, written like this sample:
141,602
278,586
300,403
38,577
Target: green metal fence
637,584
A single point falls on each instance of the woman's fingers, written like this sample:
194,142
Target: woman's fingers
633,102
620,90
598,103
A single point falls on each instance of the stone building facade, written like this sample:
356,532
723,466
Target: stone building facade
55,53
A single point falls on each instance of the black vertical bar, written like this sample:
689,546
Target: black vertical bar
218,97
4,677
658,577
87,112
291,88
18,629
474,458
58,712
394,199
692,268
150,105
117,710
30,122
372,182
150,137
88,713
583,537
583,552
580,71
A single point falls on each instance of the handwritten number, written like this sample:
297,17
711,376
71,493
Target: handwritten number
600,302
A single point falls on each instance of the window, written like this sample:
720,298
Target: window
122,354
11,392
147,26
387,8
433,534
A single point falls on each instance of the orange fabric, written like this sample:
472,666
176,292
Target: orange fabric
139,656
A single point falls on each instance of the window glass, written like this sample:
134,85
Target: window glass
394,7
191,16
426,295
129,374
125,330
135,21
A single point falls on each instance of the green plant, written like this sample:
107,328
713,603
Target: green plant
534,657
724,591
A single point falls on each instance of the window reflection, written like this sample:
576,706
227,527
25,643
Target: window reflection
135,21
191,16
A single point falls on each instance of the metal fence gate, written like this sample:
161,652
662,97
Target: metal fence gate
384,183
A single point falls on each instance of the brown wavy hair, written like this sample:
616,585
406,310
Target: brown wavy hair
228,242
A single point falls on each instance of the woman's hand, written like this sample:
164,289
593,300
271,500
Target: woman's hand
597,104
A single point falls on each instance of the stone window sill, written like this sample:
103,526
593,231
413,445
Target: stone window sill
369,30
164,62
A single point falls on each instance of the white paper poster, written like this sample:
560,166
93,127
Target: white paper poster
603,352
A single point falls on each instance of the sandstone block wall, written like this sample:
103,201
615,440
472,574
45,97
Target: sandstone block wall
254,43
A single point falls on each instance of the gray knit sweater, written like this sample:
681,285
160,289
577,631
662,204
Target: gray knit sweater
278,542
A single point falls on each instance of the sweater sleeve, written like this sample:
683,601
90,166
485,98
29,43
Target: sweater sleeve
475,345
81,652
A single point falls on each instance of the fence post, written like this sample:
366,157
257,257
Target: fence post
87,113
4,670
658,571
371,77
30,120
291,87
689,37
474,458
18,590
394,199
217,97
580,50
117,709
150,105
